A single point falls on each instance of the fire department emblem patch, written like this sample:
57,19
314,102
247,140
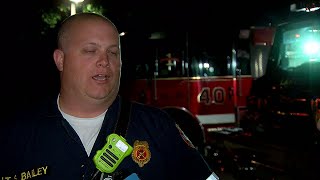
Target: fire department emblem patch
141,153
184,137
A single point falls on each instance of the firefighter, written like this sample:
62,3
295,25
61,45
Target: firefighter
60,138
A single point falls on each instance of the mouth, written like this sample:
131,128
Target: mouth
100,77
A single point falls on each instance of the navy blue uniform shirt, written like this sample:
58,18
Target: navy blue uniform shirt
41,144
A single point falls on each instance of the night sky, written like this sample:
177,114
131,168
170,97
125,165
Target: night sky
27,69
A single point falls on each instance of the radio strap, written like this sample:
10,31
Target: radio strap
121,128
123,117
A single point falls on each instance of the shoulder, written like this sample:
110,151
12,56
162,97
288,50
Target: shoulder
151,112
147,109
151,117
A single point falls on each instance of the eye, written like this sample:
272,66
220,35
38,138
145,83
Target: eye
89,50
113,53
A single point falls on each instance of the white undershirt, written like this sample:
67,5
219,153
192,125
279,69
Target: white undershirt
86,128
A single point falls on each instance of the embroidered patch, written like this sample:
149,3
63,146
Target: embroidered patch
184,137
141,153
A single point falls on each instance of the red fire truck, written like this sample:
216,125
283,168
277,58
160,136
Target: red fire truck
201,91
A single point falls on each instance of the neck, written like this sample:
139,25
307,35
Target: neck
83,108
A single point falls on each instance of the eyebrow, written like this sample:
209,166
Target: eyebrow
114,45
111,46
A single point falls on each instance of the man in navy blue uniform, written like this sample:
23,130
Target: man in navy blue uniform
59,139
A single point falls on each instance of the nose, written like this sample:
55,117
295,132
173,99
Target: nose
103,61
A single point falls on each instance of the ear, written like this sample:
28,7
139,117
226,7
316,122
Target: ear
58,57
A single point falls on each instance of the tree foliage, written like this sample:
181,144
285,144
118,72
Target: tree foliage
51,17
